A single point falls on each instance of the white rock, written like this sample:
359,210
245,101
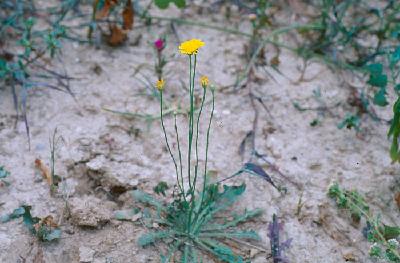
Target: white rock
86,254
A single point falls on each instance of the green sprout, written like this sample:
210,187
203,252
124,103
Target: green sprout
350,121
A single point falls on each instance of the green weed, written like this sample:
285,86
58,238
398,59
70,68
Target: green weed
190,223
25,68
383,237
45,229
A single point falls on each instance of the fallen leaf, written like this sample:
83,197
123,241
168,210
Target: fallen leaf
49,221
128,16
105,11
117,36
44,170
397,199
349,257
275,61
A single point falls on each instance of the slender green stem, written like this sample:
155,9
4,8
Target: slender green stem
190,121
52,155
197,139
181,185
197,158
192,110
191,126
165,136
207,143
90,31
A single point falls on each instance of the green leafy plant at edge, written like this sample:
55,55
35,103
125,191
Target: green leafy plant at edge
383,237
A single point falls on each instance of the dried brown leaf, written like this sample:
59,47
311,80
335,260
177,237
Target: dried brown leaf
117,36
44,170
349,257
49,221
128,16
105,11
397,199
275,61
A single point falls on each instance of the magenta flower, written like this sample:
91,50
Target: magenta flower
159,44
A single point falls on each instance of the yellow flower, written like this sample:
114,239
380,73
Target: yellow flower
204,81
190,47
160,84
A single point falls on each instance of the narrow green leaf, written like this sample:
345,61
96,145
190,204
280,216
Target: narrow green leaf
221,251
235,234
391,232
150,238
126,214
145,198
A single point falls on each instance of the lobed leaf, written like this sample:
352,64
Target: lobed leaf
126,214
151,238
219,250
145,198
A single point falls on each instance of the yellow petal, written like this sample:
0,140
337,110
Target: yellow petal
190,47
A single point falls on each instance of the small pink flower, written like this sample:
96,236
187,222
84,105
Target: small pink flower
159,44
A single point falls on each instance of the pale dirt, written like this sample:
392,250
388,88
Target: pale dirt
100,153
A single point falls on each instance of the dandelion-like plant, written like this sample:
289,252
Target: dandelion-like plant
189,224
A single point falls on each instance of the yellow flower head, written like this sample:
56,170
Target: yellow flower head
190,47
160,84
204,81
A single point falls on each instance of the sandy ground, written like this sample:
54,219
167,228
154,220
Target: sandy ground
106,155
